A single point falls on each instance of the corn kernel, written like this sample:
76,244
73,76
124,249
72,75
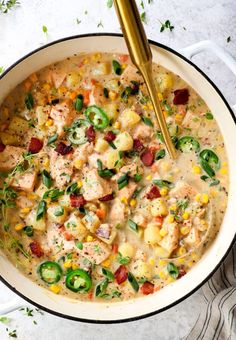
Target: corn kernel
152,262
31,197
178,118
123,66
96,56
163,232
106,263
162,262
145,107
124,200
19,226
171,218
205,198
67,264
89,238
113,95
55,289
224,164
162,274
190,264
213,193
75,266
181,251
78,164
223,171
185,215
46,162
184,230
79,184
46,87
49,122
85,61
196,169
198,198
62,89
149,178
160,96
116,125
194,256
173,207
25,210
164,191
150,106
133,202
180,260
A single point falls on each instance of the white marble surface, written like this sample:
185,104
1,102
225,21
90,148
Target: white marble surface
21,32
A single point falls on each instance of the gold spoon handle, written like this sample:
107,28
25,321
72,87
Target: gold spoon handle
141,56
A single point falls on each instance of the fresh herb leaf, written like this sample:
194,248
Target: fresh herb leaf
172,270
108,274
147,121
29,230
72,189
137,192
132,280
116,67
47,179
166,25
133,225
52,139
160,154
214,183
53,194
104,173
105,92
79,245
160,136
209,115
79,102
29,101
138,177
183,204
163,183
204,178
167,107
123,181
59,211
41,210
122,260
101,288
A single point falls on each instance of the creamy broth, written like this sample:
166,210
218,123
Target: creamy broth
92,206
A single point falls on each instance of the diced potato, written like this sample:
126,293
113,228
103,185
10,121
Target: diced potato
158,207
101,145
151,234
113,85
75,227
42,113
106,233
10,139
124,142
91,221
112,157
19,126
64,201
129,118
112,111
164,81
30,219
142,270
101,69
161,252
40,190
56,213
72,79
127,250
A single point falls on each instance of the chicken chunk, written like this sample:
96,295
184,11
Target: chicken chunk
191,121
117,211
94,186
24,202
193,238
143,132
58,77
61,169
95,251
25,181
62,116
10,157
127,191
132,168
96,96
106,233
183,190
130,73
82,153
170,241
56,241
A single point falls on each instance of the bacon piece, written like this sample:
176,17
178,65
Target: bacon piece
106,198
153,193
182,272
77,201
35,145
109,136
181,96
36,249
2,147
63,149
147,288
90,133
147,157
121,274
115,248
138,145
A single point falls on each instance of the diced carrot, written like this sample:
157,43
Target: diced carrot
101,213
154,168
115,248
93,81
27,85
157,288
33,77
90,295
159,220
73,95
123,58
67,236
86,94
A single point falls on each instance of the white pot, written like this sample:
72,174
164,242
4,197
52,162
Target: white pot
179,290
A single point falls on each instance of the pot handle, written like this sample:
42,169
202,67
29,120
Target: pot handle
208,45
10,306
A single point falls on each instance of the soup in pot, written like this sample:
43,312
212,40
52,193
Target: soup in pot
92,206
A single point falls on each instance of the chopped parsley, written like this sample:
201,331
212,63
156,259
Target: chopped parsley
166,25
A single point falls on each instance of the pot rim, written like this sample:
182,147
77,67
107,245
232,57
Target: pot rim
169,49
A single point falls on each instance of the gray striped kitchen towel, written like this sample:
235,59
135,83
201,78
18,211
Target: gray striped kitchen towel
218,319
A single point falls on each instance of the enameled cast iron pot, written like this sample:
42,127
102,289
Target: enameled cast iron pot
106,312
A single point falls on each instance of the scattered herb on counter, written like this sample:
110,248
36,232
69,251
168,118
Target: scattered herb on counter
143,17
100,24
228,39
78,21
5,320
1,69
12,334
166,25
109,3
6,6
45,29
